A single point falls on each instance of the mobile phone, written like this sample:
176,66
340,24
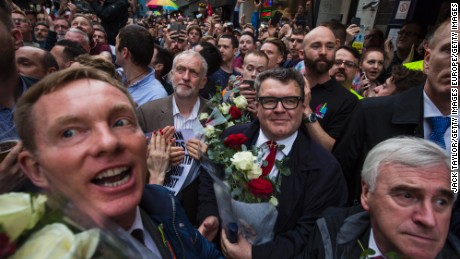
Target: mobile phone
177,28
363,74
356,20
276,18
232,232
250,83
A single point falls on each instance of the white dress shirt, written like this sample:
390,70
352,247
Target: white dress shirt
148,240
262,146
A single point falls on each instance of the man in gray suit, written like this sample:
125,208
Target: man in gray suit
181,110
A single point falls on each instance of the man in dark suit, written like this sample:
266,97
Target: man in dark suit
181,110
407,201
82,140
408,113
315,181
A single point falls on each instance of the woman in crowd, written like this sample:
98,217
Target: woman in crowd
371,66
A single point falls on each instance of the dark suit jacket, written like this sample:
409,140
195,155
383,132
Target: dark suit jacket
158,114
316,182
373,121
337,232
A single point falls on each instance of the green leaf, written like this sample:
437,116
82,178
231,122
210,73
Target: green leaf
392,255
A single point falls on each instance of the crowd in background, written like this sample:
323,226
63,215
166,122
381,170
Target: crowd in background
344,110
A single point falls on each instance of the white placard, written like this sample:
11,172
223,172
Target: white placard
177,176
403,10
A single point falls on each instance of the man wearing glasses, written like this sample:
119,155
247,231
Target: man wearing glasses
345,67
315,181
24,25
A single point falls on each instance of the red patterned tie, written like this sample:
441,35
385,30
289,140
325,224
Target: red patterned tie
270,158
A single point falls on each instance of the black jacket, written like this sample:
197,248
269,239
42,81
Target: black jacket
336,235
113,15
371,122
316,182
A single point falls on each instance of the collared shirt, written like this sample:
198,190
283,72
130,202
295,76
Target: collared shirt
7,126
148,241
430,110
146,89
373,245
180,122
262,146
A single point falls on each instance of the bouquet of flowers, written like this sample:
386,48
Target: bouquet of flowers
37,226
244,195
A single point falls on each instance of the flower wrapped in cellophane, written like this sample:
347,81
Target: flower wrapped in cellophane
36,226
244,195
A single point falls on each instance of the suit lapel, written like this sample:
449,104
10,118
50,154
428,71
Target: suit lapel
152,228
167,118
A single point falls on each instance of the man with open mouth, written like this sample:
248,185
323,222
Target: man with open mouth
82,139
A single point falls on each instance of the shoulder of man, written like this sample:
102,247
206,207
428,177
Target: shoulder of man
155,105
451,248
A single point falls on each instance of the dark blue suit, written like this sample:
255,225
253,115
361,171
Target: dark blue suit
316,182
166,214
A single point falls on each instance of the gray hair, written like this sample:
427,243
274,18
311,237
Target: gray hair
192,53
407,151
78,31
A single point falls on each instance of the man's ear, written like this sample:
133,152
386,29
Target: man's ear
364,195
426,60
32,169
158,67
203,83
125,53
17,38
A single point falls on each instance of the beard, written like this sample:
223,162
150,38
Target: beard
315,66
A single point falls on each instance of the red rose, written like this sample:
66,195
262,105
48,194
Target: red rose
235,141
261,188
235,113
6,248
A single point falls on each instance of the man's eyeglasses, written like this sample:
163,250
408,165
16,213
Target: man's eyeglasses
349,64
288,102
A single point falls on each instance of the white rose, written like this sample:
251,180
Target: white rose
224,108
85,244
229,124
17,213
274,201
203,116
57,241
209,131
243,161
240,102
255,173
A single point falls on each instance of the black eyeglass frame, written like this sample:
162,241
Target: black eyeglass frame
347,63
279,99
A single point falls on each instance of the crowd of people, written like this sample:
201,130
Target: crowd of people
366,135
